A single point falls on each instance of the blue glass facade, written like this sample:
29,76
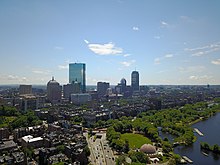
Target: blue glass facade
77,72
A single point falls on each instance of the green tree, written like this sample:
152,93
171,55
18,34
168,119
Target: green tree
119,144
126,146
177,158
90,131
60,148
205,145
87,151
216,148
121,160
139,157
167,147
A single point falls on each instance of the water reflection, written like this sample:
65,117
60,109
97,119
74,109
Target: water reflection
211,130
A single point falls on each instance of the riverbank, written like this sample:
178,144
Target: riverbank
202,118
196,121
209,128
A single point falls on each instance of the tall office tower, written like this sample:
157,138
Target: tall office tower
25,89
77,72
69,89
102,88
54,91
135,81
123,85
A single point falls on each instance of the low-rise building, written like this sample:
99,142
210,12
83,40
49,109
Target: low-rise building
30,141
7,145
80,98
19,158
4,133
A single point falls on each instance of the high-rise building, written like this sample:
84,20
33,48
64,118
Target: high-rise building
69,89
135,81
102,88
25,89
77,72
54,91
121,87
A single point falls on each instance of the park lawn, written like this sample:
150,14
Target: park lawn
8,120
135,140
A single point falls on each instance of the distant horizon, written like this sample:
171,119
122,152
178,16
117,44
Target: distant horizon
117,84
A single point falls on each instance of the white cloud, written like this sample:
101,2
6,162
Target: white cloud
39,71
216,62
198,53
12,77
164,24
204,50
58,48
135,28
126,55
193,77
168,56
105,49
200,78
128,63
63,66
24,79
157,61
86,41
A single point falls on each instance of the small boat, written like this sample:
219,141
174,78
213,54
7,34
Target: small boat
205,154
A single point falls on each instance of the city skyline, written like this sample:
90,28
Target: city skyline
167,42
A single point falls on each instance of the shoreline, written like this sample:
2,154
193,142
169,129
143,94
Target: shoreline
202,118
196,121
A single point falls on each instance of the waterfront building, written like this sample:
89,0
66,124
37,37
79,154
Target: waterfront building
77,72
135,81
102,88
25,89
54,91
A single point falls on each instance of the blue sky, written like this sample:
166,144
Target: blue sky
167,41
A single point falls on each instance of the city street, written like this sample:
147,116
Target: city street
101,153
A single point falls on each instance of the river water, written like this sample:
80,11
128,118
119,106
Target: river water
211,130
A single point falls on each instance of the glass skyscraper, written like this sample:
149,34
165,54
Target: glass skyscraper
77,72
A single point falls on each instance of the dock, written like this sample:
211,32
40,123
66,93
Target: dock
205,154
198,131
187,159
